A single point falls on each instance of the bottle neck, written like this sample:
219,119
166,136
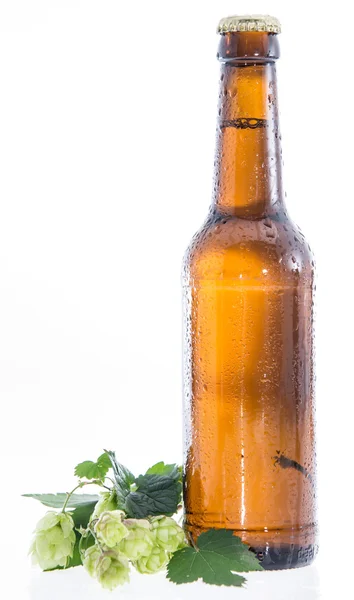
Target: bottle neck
248,166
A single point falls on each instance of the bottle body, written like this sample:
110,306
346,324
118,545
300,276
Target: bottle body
248,281
248,385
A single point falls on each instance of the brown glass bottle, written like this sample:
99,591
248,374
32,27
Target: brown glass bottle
249,461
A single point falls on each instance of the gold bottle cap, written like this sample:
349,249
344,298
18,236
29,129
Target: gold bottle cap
249,23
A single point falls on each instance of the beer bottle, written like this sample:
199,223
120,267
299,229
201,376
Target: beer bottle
248,275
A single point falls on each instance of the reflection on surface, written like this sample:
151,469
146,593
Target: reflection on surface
74,584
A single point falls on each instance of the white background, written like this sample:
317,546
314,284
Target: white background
107,124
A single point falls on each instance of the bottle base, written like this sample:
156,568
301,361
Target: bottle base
287,556
276,549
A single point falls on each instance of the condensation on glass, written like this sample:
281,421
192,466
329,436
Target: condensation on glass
248,281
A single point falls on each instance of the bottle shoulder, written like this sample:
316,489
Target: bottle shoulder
236,248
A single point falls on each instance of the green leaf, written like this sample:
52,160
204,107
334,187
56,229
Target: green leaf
82,514
161,469
123,478
155,495
57,500
94,470
81,506
215,559
158,492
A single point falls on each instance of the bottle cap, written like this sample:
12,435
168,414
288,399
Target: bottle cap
249,23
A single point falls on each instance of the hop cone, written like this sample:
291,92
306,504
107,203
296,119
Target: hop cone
54,540
157,560
109,528
107,502
168,535
90,560
112,570
139,542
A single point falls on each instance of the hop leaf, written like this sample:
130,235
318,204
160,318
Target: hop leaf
155,493
109,528
53,544
157,560
218,555
168,535
94,470
123,479
160,468
82,504
139,542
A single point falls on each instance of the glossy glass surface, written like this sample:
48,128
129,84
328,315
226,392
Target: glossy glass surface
249,377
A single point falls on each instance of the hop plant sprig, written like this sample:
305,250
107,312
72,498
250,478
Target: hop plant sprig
130,525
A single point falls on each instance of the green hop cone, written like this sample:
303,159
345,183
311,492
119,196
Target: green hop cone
107,502
91,558
157,560
54,540
139,542
168,535
112,570
109,528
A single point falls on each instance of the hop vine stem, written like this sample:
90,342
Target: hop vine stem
111,480
81,485
93,533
